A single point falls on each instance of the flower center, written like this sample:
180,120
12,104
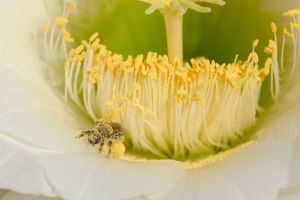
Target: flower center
169,109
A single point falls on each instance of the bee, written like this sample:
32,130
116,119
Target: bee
108,136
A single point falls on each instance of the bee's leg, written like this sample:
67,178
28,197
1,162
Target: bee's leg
109,144
83,133
101,146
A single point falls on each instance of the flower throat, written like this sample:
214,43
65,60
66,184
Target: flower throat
169,109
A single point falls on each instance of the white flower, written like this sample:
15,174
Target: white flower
39,156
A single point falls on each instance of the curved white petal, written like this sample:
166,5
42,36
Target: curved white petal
20,196
39,154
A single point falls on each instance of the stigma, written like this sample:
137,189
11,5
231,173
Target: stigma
179,7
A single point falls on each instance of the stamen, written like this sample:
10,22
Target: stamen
61,21
157,100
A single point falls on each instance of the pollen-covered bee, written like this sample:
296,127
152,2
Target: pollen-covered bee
108,136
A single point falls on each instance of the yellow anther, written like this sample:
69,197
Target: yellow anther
266,70
291,13
68,40
94,36
61,21
268,50
79,49
255,43
65,33
46,27
72,7
295,26
94,69
112,114
93,77
96,44
85,44
271,48
273,27
288,34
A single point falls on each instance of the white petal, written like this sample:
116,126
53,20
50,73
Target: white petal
88,176
19,196
257,172
81,175
36,138
30,111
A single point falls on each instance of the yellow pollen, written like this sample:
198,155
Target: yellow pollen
117,149
273,27
79,49
85,44
94,36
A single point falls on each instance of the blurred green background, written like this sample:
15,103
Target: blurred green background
220,35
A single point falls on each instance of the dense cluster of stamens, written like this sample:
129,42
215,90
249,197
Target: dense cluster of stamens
171,109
